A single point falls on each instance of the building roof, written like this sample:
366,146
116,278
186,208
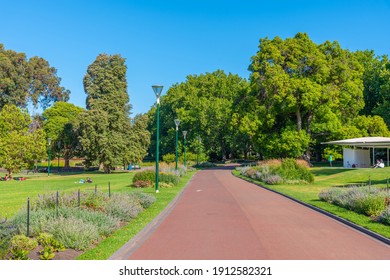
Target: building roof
366,142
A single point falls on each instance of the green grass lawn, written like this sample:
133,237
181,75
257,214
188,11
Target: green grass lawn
326,177
14,194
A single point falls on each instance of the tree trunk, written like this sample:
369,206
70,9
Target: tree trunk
66,163
299,120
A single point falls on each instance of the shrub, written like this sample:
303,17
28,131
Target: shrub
365,200
273,180
169,158
123,206
169,178
291,170
147,175
104,224
21,246
48,240
142,184
384,217
144,199
73,232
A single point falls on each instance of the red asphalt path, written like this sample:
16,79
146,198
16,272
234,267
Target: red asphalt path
219,216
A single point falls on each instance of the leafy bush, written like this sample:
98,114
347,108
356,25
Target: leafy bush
169,178
48,240
291,170
21,245
369,201
168,158
288,171
147,175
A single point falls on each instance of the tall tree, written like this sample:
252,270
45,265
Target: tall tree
104,127
25,80
204,104
138,141
20,144
59,125
301,93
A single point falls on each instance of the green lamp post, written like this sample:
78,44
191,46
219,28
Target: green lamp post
157,91
185,137
177,123
48,156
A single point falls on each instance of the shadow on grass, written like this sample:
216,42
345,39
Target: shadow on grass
329,171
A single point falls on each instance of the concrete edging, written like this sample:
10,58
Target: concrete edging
326,213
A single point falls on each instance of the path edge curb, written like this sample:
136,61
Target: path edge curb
134,243
326,213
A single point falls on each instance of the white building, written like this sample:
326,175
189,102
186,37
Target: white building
357,151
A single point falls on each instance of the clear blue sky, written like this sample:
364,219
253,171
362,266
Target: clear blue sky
164,41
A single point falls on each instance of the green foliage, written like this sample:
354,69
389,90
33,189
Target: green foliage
169,158
21,246
145,199
23,81
146,176
125,207
19,145
335,153
297,85
138,140
288,171
47,253
384,217
48,240
73,232
104,128
59,125
291,170
204,103
150,176
369,201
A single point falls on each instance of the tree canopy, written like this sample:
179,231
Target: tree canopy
301,94
204,104
21,144
59,125
106,134
25,80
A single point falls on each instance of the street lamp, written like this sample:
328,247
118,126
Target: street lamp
157,91
177,122
48,156
185,136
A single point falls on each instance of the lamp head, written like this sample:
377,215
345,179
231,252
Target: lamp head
157,90
185,133
177,122
48,141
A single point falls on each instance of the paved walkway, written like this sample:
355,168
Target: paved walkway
222,217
